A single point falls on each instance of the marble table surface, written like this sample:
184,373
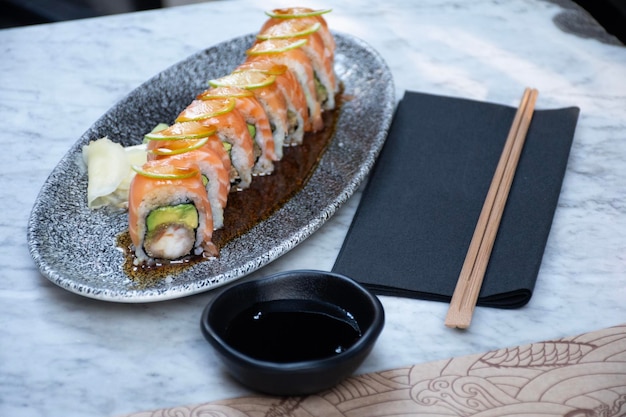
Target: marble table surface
63,354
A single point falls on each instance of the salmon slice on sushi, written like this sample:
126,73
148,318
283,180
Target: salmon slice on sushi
290,54
231,129
304,14
258,125
169,215
285,31
215,172
297,112
265,90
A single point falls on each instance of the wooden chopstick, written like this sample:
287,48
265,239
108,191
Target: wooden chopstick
473,271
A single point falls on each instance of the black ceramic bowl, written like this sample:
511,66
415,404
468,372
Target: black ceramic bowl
293,333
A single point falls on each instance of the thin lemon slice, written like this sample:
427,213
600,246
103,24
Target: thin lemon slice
291,28
183,130
205,109
295,12
266,67
226,91
165,172
244,79
177,147
276,46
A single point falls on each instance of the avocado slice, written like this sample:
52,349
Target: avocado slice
320,90
251,130
185,214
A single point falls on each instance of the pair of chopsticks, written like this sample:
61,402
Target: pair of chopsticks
473,271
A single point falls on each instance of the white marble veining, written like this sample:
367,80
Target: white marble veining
61,354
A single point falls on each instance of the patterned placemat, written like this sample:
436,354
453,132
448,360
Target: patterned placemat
579,376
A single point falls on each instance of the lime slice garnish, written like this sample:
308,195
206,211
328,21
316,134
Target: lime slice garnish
177,147
159,127
295,12
165,171
226,91
183,130
266,67
244,79
205,109
275,46
292,28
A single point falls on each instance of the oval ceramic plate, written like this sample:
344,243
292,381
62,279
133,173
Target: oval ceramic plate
76,248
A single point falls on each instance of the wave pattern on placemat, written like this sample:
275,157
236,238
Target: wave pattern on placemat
576,376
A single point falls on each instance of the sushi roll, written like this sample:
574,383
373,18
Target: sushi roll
265,90
304,14
169,215
297,113
315,48
188,131
289,53
258,125
230,133
215,173
231,129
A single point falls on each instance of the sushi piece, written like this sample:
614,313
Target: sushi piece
289,53
314,48
192,130
265,90
215,173
232,129
169,215
297,111
323,65
305,14
258,125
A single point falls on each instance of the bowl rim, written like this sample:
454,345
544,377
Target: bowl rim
361,346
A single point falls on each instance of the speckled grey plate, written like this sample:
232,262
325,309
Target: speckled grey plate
75,247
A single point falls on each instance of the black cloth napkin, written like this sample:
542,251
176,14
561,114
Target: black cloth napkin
415,221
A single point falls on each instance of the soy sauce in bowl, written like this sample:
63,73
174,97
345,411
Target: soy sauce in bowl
295,332
292,330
